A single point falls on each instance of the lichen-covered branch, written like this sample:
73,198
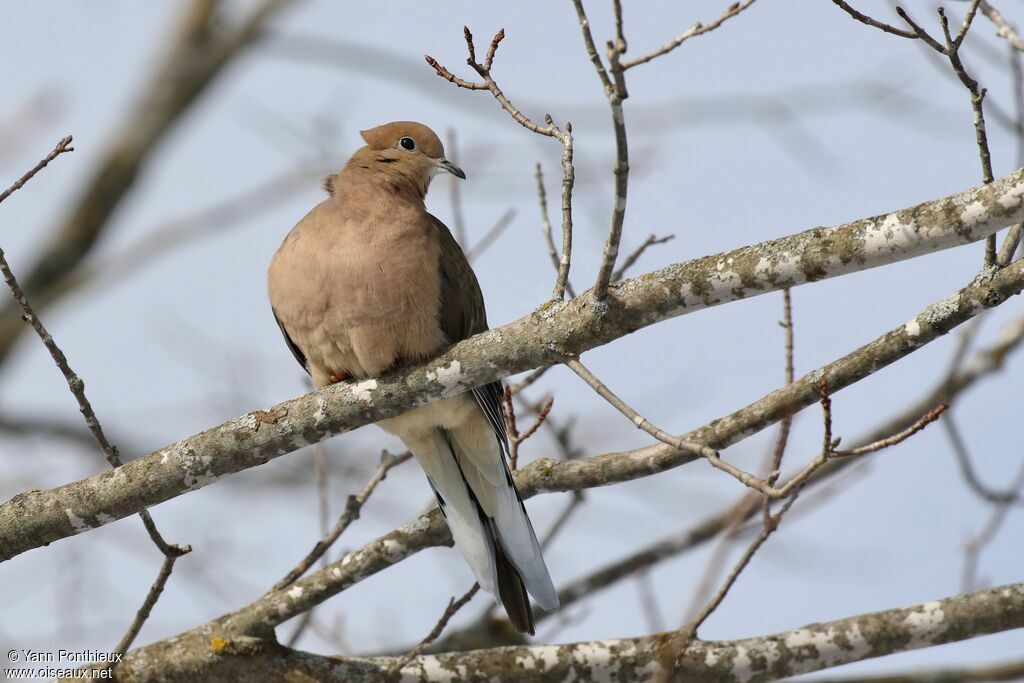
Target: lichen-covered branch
259,618
550,334
205,655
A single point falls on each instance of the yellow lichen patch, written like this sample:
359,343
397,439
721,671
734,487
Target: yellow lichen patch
217,644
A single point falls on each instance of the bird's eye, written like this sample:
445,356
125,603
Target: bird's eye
407,143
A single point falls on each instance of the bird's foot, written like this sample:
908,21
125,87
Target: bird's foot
339,376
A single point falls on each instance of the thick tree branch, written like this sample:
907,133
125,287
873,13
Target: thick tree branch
204,655
556,331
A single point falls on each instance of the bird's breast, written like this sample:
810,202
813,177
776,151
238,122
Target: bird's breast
366,296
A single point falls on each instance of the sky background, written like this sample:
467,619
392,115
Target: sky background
788,117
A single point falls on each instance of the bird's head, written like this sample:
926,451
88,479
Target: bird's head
405,149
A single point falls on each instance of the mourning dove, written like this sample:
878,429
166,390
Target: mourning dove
369,280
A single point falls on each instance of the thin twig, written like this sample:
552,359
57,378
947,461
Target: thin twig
651,240
563,518
963,458
449,612
530,378
695,30
974,545
898,438
615,90
562,283
455,192
636,418
353,506
977,104
63,146
515,438
775,464
1005,29
1013,235
865,19
491,235
588,42
951,49
564,136
147,605
170,551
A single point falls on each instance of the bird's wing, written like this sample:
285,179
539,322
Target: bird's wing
463,315
483,461
296,351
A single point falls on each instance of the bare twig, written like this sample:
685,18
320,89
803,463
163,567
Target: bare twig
695,30
491,235
1013,235
588,41
651,240
963,458
170,551
530,378
615,90
353,507
63,146
636,418
1005,29
455,193
898,438
545,227
449,612
974,545
775,463
515,438
950,47
564,136
147,605
203,46
865,19
977,104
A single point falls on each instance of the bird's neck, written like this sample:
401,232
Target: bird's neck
362,192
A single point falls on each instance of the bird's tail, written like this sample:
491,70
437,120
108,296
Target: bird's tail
487,520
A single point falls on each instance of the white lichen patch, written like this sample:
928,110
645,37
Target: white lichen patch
320,414
542,658
77,523
942,309
450,377
245,422
1013,197
416,526
598,658
394,549
363,392
924,624
742,666
912,328
973,214
430,669
104,518
336,573
828,647
295,593
890,233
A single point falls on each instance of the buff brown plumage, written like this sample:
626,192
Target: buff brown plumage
370,280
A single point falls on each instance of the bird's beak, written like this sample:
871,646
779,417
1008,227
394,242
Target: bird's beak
445,165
